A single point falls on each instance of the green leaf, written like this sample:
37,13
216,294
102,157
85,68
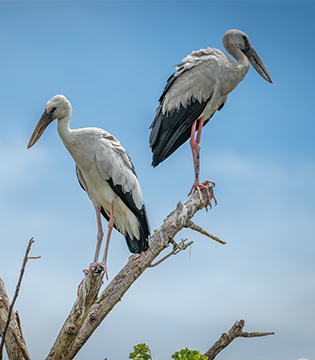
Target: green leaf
141,352
186,354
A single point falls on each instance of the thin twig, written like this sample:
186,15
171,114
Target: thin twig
198,228
17,289
176,249
255,334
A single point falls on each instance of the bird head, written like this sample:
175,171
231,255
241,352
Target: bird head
234,40
57,107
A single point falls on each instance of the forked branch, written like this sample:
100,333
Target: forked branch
89,309
176,249
226,338
68,345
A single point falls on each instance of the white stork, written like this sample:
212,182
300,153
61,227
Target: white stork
199,87
106,173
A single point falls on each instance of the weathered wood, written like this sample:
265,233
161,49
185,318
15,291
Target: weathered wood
89,310
195,227
226,338
14,341
10,323
136,265
86,298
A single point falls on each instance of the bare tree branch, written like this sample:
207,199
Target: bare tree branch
89,310
13,349
86,298
17,333
136,265
176,249
226,338
195,227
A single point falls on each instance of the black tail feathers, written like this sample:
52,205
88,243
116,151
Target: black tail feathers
138,246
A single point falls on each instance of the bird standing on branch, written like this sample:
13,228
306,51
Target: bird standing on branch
199,87
106,173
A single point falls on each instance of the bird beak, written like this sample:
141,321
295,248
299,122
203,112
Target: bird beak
44,121
258,64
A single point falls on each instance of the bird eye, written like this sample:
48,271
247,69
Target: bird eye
51,112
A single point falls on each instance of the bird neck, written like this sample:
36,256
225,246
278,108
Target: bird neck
64,130
235,72
242,60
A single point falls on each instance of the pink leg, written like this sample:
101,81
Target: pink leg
100,235
110,228
195,149
100,238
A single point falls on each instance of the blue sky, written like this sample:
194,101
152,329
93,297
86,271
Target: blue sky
111,60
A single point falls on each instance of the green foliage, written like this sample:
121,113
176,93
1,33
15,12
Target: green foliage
141,352
186,354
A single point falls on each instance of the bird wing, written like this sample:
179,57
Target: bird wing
84,186
194,79
170,132
81,179
183,100
115,166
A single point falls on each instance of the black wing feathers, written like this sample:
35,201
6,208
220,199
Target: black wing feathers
134,245
169,82
171,130
80,178
141,215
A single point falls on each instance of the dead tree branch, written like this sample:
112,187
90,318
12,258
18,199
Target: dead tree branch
67,345
86,298
9,322
176,249
89,309
226,338
14,338
195,227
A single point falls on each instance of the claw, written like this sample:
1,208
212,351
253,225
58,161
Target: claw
86,272
202,186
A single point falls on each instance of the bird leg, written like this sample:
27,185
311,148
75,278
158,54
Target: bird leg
100,238
110,228
100,233
195,149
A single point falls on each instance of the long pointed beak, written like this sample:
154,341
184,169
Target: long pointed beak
44,121
258,64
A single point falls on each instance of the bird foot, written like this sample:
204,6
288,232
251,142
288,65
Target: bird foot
86,272
197,186
103,265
